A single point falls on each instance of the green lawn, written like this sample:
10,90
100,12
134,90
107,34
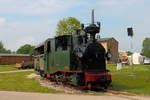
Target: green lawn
124,80
121,80
7,68
19,82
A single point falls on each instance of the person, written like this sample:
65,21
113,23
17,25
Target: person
119,64
108,55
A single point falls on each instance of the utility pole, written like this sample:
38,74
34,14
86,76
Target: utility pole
130,34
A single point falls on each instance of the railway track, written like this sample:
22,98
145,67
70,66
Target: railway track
75,90
72,89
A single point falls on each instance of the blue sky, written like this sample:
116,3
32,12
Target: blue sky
33,21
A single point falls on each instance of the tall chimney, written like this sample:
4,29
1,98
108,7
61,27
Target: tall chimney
92,16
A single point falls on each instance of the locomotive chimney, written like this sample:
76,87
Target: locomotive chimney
93,28
92,16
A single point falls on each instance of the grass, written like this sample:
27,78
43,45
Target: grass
18,81
7,68
123,81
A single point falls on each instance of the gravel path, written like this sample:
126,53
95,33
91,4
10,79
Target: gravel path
16,71
109,95
88,95
5,95
59,87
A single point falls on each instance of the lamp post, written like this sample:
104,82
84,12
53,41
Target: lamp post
130,34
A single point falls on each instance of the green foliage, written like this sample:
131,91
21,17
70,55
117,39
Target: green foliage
26,49
129,53
18,81
67,26
123,81
2,49
146,47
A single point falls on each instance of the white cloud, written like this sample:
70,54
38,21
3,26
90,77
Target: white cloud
125,13
122,14
25,40
36,6
15,34
2,20
116,3
106,2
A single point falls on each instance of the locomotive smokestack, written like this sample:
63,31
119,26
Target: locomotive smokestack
92,16
92,29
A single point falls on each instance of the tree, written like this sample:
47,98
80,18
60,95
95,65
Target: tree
129,53
26,49
2,49
146,47
67,26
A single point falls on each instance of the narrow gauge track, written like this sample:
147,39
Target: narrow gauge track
76,90
73,89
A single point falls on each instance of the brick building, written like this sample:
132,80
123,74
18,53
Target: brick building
112,45
7,59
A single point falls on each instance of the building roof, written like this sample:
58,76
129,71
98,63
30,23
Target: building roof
42,43
39,45
106,39
3,54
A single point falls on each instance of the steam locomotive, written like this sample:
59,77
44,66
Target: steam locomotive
76,59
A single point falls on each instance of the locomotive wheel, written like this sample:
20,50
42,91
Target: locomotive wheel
89,86
105,87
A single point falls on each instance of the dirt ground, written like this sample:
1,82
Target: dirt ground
5,95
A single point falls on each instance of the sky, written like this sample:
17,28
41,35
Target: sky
33,21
